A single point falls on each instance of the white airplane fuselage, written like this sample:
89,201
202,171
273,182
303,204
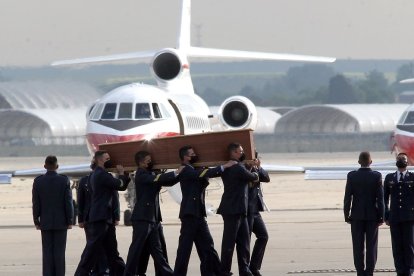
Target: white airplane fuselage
403,137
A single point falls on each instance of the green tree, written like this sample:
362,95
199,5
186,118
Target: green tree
375,89
308,76
341,91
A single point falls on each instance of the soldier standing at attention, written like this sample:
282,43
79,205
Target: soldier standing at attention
52,214
364,192
399,215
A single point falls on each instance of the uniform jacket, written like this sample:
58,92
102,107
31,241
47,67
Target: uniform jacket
103,187
399,197
364,192
234,200
256,202
52,201
193,186
84,201
147,188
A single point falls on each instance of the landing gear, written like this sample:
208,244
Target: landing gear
130,198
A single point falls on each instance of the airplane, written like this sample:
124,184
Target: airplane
402,140
139,111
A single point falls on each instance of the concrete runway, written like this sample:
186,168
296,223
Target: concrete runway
307,233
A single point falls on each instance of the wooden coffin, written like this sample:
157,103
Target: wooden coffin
211,147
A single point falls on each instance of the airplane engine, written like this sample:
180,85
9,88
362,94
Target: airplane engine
167,65
238,112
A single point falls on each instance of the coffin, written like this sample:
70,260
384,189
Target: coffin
211,147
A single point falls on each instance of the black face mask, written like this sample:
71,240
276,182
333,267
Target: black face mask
193,159
242,157
150,165
108,164
401,164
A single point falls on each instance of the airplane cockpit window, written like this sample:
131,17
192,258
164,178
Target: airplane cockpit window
156,110
109,111
96,112
165,113
409,120
125,111
402,118
90,109
142,111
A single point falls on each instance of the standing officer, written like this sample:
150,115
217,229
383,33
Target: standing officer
194,228
146,216
364,192
101,218
233,208
256,224
399,215
52,214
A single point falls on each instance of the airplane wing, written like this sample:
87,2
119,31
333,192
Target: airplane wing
70,170
125,56
221,53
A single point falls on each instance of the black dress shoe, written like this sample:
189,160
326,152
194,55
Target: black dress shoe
256,273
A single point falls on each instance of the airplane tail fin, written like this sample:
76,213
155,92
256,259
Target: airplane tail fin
184,37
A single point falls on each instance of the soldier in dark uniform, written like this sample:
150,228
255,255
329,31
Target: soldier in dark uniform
52,214
233,208
146,216
84,205
399,215
256,224
194,228
364,192
101,217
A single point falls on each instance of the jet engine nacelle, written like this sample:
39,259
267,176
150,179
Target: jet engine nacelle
167,65
238,112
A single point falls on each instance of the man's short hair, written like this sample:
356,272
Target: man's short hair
232,147
402,153
140,156
99,154
183,151
51,161
364,158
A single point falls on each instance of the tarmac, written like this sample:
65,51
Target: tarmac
307,232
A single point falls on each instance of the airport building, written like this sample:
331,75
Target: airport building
44,113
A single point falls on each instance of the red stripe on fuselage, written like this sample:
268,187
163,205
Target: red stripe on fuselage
94,139
405,143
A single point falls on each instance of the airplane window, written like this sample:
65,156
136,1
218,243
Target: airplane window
165,113
156,110
90,109
96,113
125,111
402,118
109,111
410,118
142,111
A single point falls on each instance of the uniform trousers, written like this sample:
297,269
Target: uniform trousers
146,236
236,232
195,230
403,246
101,267
53,252
257,226
102,238
146,254
364,231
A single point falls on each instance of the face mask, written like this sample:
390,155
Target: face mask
108,164
242,157
150,165
193,159
401,164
